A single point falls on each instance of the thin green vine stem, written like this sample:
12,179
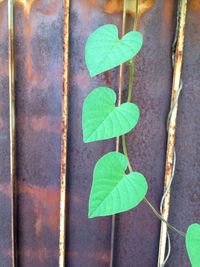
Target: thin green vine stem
171,227
131,62
136,15
131,79
125,152
124,146
157,214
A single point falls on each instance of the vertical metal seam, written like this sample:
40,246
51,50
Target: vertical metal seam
12,129
113,223
169,166
63,171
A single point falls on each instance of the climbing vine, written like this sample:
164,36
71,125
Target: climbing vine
113,189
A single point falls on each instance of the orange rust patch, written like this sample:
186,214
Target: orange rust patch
44,123
194,5
103,256
50,9
167,11
32,76
45,205
168,168
107,77
116,6
26,4
41,253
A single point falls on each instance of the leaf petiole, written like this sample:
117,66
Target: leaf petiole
162,219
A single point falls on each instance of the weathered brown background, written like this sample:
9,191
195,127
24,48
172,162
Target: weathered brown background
39,67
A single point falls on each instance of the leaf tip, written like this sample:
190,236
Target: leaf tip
90,215
85,139
92,74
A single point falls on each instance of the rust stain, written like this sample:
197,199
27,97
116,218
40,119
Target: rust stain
194,5
49,9
116,6
45,204
103,256
167,11
41,253
107,77
27,33
168,168
44,123
26,4
32,76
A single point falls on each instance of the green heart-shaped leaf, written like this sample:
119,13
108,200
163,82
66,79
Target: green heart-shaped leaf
104,50
102,120
193,244
112,190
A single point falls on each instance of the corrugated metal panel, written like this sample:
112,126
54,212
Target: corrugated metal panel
39,82
39,67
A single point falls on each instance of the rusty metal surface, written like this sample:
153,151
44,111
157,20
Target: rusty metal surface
88,240
137,231
39,67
